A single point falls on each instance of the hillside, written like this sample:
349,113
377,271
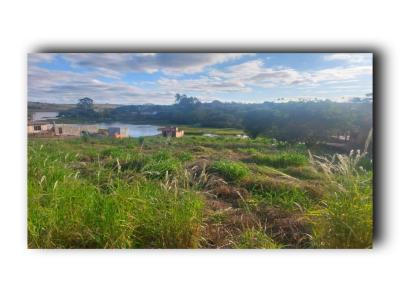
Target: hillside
195,192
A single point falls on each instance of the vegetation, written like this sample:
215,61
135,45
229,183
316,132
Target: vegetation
195,192
345,220
255,239
294,122
281,160
229,170
38,106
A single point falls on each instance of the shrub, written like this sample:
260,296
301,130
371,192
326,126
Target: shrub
229,170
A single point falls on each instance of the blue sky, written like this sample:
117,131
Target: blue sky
139,78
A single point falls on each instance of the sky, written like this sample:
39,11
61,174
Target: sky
143,78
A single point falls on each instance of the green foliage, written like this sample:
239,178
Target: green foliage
113,193
346,217
255,239
67,211
274,192
365,163
302,172
281,160
85,104
306,122
184,156
231,171
159,169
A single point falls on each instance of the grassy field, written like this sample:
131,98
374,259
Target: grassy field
194,192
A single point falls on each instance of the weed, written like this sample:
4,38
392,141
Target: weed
281,160
231,171
345,218
255,239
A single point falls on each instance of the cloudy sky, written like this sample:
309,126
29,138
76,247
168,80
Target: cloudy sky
125,78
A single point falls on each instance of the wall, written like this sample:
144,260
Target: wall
44,128
74,129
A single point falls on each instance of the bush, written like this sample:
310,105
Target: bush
229,170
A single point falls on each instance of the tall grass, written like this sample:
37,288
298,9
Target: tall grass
158,193
346,217
281,160
255,239
229,170
67,211
275,192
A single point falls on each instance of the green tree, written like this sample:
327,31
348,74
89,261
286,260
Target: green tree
85,104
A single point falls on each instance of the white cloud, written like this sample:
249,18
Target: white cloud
67,87
201,85
36,58
103,82
353,58
119,63
255,74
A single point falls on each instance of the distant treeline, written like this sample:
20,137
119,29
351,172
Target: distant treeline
41,107
307,122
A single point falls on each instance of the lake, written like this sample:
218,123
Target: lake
134,130
40,116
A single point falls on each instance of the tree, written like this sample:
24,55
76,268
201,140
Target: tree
183,100
83,111
259,122
85,104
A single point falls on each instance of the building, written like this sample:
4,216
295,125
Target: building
40,127
74,129
51,129
118,132
171,132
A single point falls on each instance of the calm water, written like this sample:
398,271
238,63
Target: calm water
40,116
134,130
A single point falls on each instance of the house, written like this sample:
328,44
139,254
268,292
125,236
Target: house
46,128
171,132
40,127
74,129
102,132
118,132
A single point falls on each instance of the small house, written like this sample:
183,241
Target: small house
74,129
171,132
39,127
118,132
